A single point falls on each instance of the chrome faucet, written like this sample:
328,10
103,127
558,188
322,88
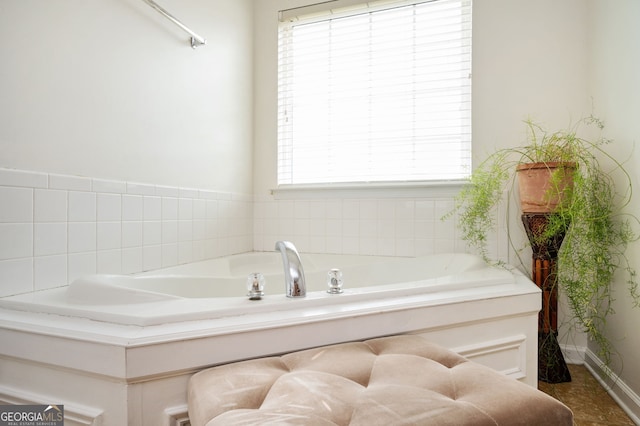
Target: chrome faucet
295,285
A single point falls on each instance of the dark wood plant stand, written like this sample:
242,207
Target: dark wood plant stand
552,367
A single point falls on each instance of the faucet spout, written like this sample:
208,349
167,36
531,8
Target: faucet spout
295,285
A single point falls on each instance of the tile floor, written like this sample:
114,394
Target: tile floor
590,403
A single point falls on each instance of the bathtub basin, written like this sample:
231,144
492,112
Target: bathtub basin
216,288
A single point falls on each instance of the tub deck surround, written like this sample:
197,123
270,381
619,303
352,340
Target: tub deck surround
116,372
217,288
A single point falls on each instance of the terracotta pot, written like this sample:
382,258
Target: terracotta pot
534,182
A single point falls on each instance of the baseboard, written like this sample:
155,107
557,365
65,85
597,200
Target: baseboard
628,400
573,354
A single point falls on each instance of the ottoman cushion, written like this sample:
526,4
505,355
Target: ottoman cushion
399,380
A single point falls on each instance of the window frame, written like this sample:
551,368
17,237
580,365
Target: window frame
353,7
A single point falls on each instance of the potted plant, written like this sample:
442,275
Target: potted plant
585,206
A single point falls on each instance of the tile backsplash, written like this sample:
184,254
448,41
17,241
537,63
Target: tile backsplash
55,228
384,226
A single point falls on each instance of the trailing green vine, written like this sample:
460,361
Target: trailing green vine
597,232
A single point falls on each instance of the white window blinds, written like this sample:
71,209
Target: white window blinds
376,94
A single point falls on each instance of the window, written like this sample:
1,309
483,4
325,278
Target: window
375,93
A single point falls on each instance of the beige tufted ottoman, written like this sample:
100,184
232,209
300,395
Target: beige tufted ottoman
400,380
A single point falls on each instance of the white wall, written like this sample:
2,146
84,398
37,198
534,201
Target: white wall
111,89
122,149
615,67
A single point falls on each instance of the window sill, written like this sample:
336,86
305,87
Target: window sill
433,189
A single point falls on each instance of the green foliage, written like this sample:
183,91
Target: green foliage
597,233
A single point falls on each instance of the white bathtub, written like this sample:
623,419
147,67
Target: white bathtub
126,346
217,288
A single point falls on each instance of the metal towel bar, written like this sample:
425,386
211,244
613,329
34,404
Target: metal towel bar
196,40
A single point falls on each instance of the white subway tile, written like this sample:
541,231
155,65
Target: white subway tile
317,244
140,189
109,186
424,229
405,247
301,209
285,209
446,245
423,247
386,228
16,240
301,227
316,209
185,209
213,230
350,245
334,227
188,193
445,230
212,209
82,206
169,254
368,209
151,233
386,209
151,257
50,271
50,205
333,209
350,227
169,231
443,207
132,207
351,209
185,230
16,276
72,183
334,244
16,204
405,209
169,208
199,251
49,239
131,234
109,261
207,195
316,227
199,229
368,245
81,264
404,229
386,247
132,260
167,191
82,237
108,235
185,252
152,208
11,177
424,209
199,209
109,207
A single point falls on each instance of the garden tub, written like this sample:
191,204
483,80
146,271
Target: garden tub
216,288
